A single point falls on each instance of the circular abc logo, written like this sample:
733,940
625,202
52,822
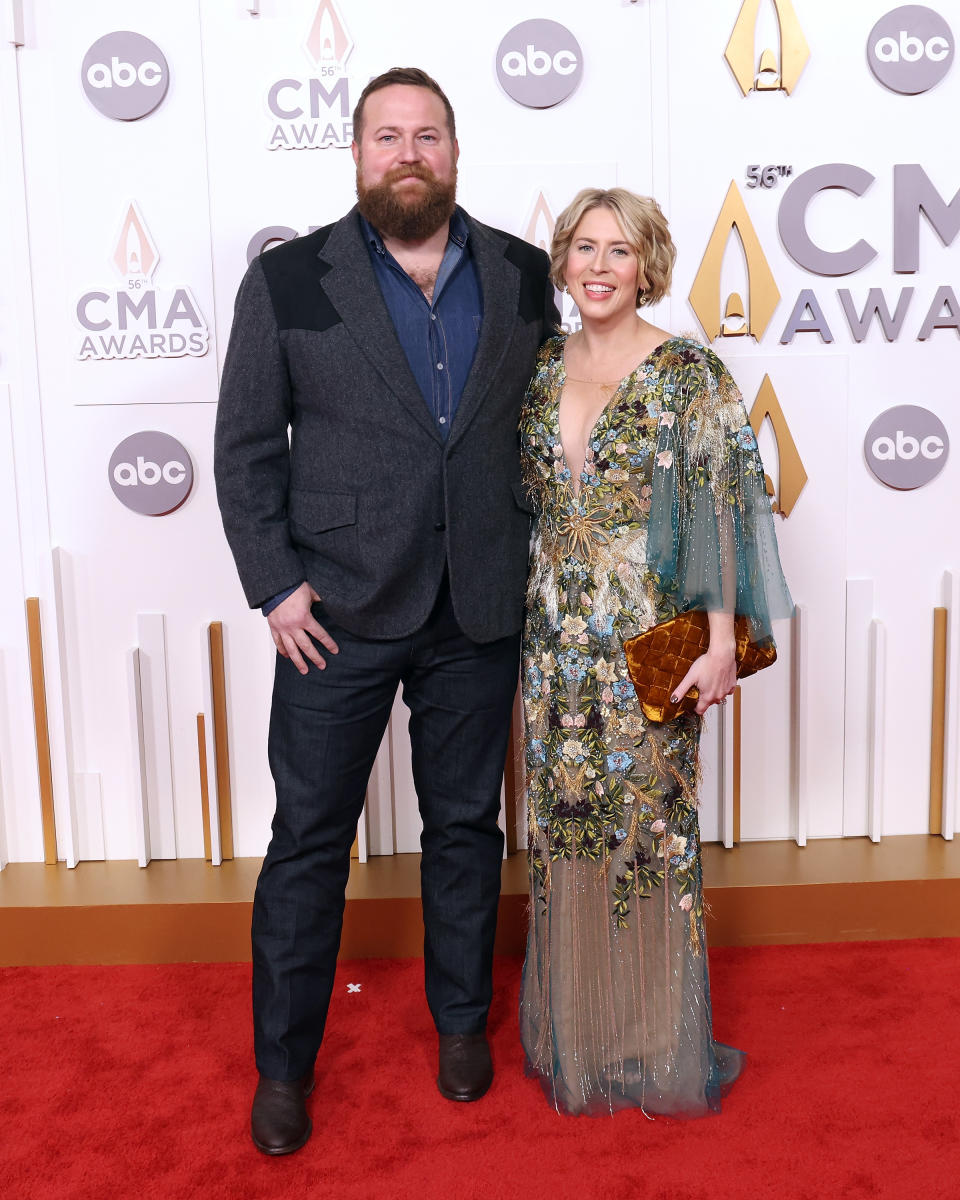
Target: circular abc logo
910,49
906,447
539,63
151,473
125,75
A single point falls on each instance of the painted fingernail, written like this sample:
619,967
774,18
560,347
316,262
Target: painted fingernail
674,699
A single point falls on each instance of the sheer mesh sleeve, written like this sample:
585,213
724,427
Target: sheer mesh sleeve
711,539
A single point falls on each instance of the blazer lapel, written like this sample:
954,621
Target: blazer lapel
500,287
352,288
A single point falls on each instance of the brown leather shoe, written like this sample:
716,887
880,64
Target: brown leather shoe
278,1121
465,1067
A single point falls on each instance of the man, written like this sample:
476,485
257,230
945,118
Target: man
368,476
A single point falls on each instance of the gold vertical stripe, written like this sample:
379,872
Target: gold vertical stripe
204,789
42,730
736,764
220,745
938,724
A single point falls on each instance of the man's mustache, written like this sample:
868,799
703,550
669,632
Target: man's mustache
413,170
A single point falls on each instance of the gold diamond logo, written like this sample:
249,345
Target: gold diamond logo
135,255
328,43
792,473
763,296
539,231
768,71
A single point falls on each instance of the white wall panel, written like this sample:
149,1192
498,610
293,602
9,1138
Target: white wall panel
856,723
657,110
20,829
951,798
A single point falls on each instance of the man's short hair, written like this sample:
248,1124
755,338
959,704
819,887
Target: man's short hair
644,227
409,77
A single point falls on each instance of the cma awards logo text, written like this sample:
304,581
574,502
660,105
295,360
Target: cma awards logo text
315,113
914,198
139,319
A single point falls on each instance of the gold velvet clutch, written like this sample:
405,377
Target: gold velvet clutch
658,659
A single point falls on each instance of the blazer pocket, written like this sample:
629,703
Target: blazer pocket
524,503
320,512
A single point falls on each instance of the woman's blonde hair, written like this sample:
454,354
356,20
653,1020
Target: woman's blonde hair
644,227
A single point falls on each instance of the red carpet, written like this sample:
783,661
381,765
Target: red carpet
135,1082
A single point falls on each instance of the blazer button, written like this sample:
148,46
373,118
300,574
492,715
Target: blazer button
440,526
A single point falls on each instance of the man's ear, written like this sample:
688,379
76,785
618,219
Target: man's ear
355,151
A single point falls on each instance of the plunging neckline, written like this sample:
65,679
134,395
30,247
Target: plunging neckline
575,481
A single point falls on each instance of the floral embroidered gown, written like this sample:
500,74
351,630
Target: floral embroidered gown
670,512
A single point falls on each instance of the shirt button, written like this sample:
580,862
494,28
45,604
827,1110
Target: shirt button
440,526
439,366
443,420
433,316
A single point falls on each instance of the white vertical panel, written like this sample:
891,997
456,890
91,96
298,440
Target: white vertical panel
877,709
711,813
58,717
11,22
798,721
363,840
379,803
725,724
406,811
88,798
70,702
856,724
20,826
213,809
951,780
21,354
151,640
141,815
4,858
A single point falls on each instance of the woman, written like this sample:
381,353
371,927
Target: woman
649,495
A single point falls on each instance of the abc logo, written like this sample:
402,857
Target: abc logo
539,63
125,76
151,473
910,49
906,447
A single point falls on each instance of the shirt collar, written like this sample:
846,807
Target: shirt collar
459,233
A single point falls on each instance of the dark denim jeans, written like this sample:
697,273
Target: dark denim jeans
325,730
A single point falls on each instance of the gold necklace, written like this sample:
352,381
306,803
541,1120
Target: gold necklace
601,383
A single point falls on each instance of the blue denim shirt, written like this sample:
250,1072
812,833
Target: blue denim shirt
439,336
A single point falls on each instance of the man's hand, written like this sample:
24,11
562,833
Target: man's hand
292,626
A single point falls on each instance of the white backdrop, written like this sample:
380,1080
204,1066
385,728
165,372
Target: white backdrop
657,110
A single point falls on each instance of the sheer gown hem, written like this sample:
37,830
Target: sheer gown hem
728,1065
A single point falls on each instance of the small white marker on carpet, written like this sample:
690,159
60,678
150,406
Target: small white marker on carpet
354,987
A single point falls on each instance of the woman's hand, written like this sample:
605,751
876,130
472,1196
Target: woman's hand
713,674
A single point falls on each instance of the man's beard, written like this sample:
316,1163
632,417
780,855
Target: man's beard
413,217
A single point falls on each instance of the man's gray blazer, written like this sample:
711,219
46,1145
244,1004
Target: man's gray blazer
363,497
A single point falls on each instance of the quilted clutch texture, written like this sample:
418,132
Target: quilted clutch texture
659,658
